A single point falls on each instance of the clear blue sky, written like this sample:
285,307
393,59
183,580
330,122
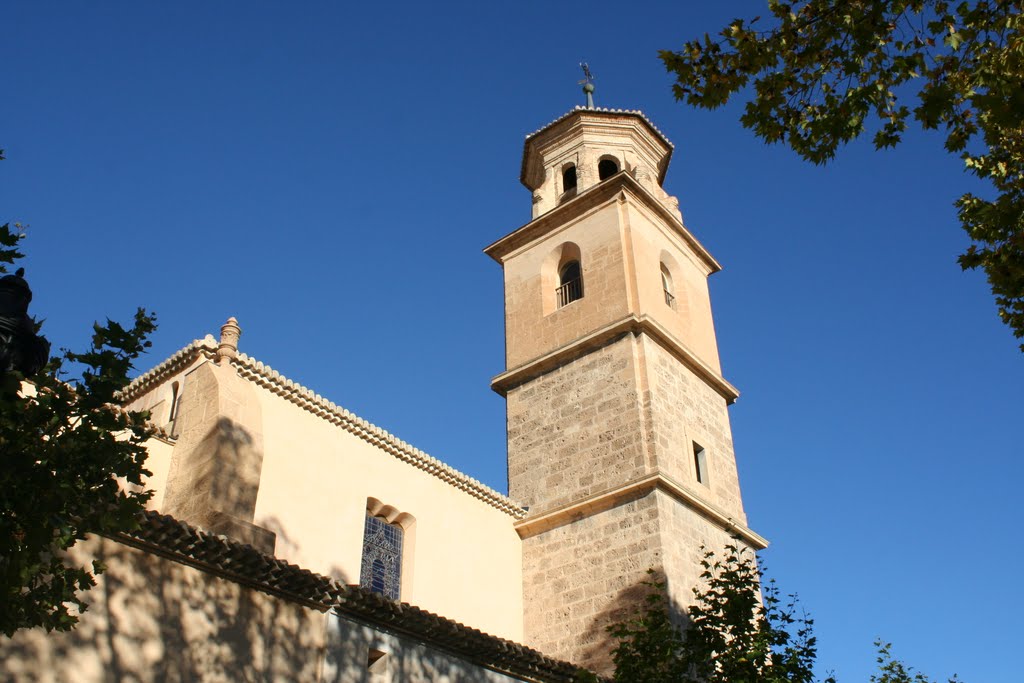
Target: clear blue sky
329,172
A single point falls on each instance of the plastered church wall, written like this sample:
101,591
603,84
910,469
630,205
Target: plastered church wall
306,485
462,555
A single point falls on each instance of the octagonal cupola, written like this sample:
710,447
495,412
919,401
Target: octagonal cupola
588,145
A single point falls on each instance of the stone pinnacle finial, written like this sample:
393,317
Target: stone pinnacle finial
229,334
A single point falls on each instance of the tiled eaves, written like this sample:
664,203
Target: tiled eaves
602,110
179,360
267,377
234,561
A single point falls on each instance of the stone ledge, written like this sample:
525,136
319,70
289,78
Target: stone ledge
638,488
629,324
602,193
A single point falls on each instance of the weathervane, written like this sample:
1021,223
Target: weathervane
588,84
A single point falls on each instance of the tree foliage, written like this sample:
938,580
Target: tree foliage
733,635
892,670
71,463
827,71
741,630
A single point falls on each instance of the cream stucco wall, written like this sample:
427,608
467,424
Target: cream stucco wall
623,240
533,324
464,558
653,242
157,400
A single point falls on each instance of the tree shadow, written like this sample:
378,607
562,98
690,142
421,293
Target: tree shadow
287,546
152,619
627,604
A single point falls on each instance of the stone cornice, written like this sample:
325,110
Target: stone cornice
629,324
637,488
265,376
602,193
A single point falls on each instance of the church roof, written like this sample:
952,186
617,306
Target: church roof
602,110
265,376
229,559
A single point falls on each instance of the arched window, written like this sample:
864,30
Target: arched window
606,168
666,285
569,178
570,283
381,568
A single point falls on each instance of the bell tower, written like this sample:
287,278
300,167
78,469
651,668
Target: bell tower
618,429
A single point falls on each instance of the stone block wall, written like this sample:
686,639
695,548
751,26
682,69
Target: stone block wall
582,576
686,534
589,573
685,409
579,429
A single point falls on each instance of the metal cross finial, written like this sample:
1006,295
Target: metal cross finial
588,84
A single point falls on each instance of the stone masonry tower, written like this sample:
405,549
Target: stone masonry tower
618,429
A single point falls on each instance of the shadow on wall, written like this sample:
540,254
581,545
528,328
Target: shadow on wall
357,653
151,619
598,643
214,483
288,547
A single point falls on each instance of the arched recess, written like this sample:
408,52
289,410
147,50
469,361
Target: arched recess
563,260
671,281
667,287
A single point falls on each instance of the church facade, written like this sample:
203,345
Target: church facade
289,539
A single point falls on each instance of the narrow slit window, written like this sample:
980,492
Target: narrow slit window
381,570
700,463
570,283
174,403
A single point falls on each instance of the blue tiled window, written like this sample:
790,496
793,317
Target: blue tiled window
381,569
